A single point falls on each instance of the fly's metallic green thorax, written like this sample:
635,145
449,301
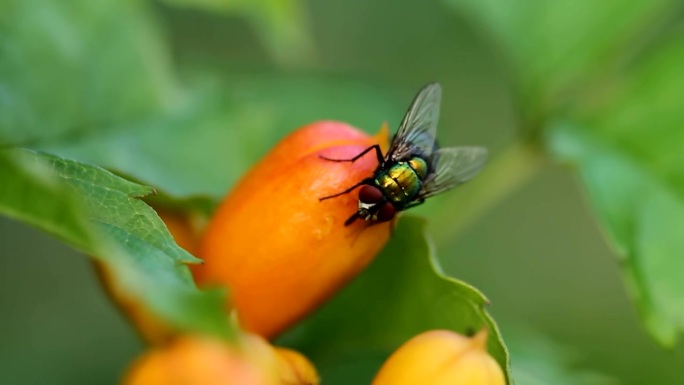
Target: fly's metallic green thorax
403,180
419,165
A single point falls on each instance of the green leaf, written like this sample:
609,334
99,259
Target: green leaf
72,67
207,146
114,204
540,361
629,157
32,194
282,25
401,294
553,44
645,113
102,215
643,216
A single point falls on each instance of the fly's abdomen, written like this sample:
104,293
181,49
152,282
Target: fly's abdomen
400,183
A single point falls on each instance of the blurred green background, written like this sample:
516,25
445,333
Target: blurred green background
246,73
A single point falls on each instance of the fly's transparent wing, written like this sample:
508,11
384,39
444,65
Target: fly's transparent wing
418,130
455,165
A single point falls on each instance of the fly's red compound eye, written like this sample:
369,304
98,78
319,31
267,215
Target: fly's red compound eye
386,212
370,194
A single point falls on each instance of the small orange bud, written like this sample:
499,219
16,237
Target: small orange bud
280,250
295,368
442,357
193,360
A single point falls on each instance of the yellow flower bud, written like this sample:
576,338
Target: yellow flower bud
441,357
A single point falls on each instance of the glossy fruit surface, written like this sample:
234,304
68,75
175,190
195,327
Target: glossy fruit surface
281,251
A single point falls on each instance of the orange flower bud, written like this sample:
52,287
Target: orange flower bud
280,250
442,357
202,361
151,329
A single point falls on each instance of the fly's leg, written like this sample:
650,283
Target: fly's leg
352,219
376,147
350,189
368,224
